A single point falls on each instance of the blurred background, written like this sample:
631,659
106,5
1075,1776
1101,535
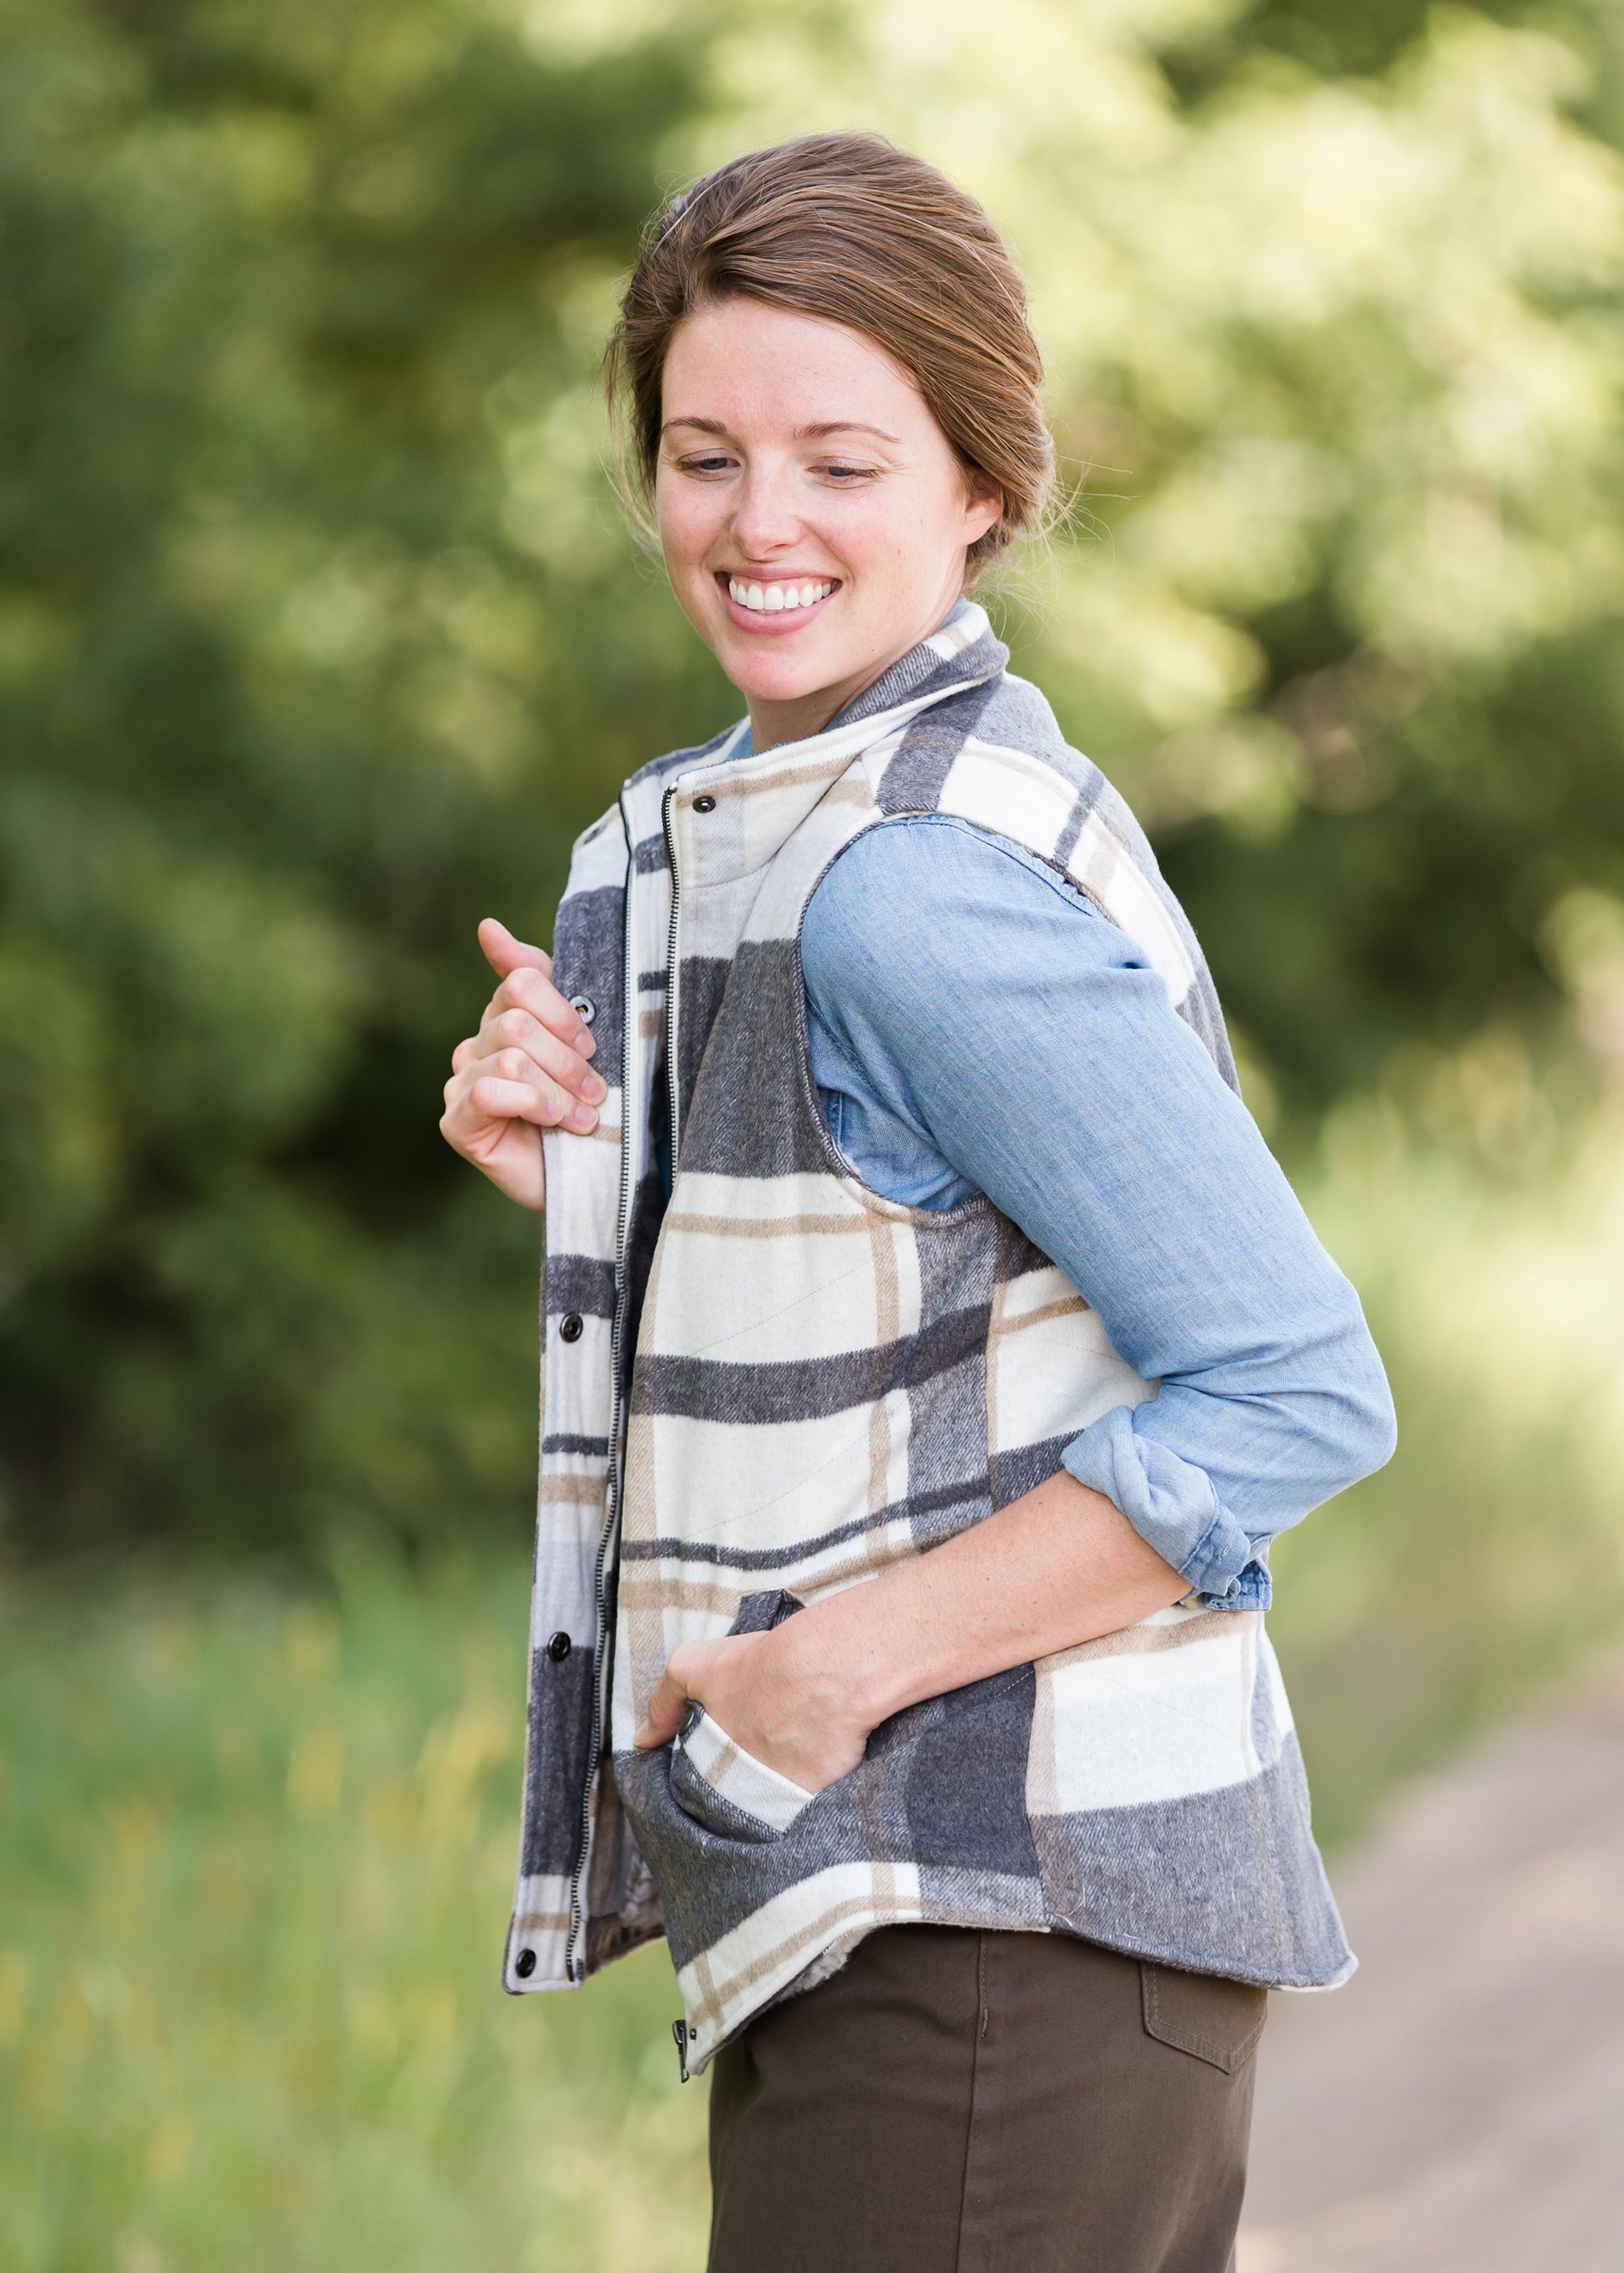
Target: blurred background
319,639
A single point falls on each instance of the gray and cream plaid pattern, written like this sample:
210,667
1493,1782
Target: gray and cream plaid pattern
782,1384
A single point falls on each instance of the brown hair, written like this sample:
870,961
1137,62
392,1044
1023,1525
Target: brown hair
849,228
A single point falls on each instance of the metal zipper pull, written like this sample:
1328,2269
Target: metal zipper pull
679,2033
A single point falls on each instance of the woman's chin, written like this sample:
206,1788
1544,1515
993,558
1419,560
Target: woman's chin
782,677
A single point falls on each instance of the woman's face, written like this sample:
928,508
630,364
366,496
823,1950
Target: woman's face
813,517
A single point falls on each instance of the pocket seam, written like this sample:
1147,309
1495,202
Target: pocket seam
1183,2037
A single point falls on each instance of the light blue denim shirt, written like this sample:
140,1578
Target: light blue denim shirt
977,1024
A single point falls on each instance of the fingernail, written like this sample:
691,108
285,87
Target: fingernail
595,1089
586,1042
583,1117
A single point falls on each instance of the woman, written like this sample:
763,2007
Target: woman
900,1198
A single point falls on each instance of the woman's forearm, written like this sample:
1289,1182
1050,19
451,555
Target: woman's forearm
1059,1566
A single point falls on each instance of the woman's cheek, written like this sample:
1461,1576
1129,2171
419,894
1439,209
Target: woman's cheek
686,519
685,548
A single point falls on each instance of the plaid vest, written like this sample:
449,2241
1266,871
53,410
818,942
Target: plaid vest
782,1383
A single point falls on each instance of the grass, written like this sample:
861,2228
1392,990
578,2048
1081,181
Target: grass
256,1848
258,1855
1489,1558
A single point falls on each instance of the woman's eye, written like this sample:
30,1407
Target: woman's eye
713,462
837,471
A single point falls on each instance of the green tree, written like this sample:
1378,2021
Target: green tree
315,642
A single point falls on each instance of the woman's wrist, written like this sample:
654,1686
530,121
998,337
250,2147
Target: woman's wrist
853,1653
1060,1567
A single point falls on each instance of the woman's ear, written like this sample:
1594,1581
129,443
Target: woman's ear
983,506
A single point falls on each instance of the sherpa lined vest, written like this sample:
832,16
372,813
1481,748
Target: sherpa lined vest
781,1383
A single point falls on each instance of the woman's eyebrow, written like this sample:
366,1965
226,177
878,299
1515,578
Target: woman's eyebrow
842,426
824,428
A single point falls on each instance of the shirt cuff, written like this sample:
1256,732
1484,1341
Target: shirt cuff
1171,1504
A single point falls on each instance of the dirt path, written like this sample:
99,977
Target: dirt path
1459,2107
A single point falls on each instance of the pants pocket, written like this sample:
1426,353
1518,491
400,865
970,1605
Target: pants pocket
1216,2020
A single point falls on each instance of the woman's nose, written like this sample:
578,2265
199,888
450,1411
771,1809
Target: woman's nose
766,518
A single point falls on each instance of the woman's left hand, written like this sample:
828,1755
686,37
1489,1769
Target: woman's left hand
769,1693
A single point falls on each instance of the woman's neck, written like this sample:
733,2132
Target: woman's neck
797,718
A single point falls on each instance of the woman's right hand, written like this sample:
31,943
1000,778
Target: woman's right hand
527,1069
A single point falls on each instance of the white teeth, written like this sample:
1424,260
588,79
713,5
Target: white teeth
773,599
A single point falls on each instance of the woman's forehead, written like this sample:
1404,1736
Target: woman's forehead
799,377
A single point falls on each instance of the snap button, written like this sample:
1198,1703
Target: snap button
584,1008
704,805
558,1648
524,1964
569,1328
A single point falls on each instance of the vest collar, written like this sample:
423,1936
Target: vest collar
963,652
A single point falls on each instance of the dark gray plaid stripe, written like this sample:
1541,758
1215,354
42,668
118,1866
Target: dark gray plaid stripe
580,1282
929,1515
812,1388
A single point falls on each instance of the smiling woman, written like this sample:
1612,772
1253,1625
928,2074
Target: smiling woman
859,360
933,1348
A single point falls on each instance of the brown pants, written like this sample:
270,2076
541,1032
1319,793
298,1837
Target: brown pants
957,2102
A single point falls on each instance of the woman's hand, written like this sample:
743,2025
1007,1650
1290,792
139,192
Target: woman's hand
783,1704
527,1069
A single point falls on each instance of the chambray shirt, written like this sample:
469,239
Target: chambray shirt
977,1025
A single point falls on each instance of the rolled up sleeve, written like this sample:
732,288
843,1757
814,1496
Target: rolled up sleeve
1171,1504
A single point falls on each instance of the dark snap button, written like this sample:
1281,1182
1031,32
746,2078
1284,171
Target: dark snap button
558,1648
524,1964
584,1008
704,805
569,1328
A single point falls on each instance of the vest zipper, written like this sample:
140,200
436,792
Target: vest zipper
679,2028
575,1959
671,981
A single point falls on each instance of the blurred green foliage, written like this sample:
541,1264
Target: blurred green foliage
319,637
307,664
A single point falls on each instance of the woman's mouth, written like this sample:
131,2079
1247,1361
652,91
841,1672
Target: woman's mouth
781,604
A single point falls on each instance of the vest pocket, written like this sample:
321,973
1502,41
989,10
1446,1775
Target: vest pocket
728,1789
